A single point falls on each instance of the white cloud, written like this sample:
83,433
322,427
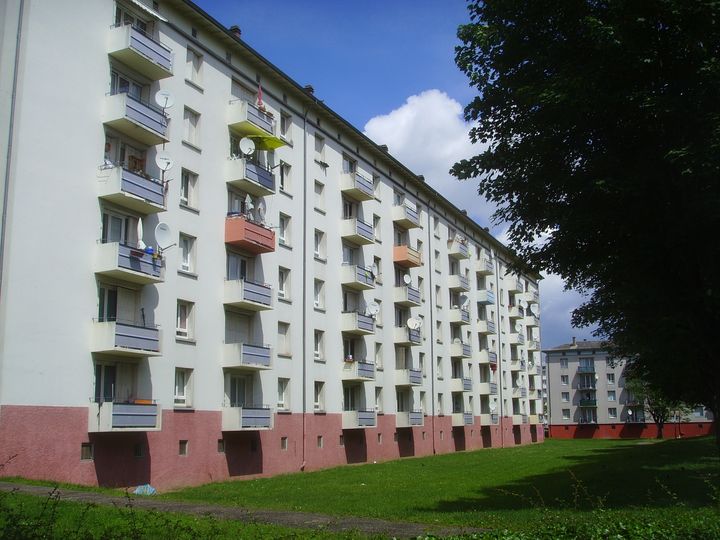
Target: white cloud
428,134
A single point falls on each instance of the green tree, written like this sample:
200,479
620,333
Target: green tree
601,127
654,401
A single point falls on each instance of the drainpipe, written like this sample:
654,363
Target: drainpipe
304,296
500,372
8,160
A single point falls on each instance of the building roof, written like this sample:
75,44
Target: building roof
578,345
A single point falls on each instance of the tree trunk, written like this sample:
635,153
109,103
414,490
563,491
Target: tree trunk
660,426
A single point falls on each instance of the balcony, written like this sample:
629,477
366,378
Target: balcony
405,216
517,391
516,338
247,418
248,295
407,336
458,248
138,415
357,231
247,356
250,177
461,384
140,52
487,388
487,357
486,419
523,392
534,419
517,419
457,282
407,257
533,345
352,322
126,263
513,285
358,370
458,315
245,234
586,385
514,364
462,419
357,186
247,120
136,119
486,297
484,266
586,369
460,350
408,377
414,418
533,297
486,327
132,190
515,312
407,296
588,402
357,277
125,339
359,419
531,321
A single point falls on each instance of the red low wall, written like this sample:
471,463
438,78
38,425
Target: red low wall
629,431
45,443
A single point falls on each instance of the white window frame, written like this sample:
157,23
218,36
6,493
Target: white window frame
182,394
565,397
319,396
193,66
283,400
186,244
284,230
191,126
283,289
188,187
184,315
318,344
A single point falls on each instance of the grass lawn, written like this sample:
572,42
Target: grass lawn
516,488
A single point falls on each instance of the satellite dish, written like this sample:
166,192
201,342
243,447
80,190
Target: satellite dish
373,308
249,202
407,279
413,324
375,270
420,322
493,406
164,161
261,209
247,146
457,340
630,413
164,98
464,300
163,235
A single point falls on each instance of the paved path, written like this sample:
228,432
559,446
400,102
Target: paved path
300,520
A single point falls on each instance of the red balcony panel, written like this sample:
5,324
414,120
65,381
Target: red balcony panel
249,236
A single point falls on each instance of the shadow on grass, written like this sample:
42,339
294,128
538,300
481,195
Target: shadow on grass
657,475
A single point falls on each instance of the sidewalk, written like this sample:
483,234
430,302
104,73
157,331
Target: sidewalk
300,520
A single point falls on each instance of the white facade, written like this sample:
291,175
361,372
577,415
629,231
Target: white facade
282,292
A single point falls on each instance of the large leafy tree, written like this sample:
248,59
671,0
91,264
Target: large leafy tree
601,121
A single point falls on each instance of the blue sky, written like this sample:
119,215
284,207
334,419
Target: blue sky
388,68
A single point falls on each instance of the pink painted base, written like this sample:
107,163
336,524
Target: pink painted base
45,442
629,431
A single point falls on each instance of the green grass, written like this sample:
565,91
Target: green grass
514,487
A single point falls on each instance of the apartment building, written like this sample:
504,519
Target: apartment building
587,398
207,273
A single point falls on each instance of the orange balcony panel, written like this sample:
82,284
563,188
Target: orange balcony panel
406,256
249,236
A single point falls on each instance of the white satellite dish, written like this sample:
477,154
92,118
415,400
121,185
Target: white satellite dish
164,98
140,243
407,279
373,308
420,322
261,209
493,406
630,413
164,161
163,235
413,324
375,270
247,146
457,340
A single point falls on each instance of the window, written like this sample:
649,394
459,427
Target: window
349,165
182,387
611,395
421,364
87,451
284,230
283,283
319,195
187,253
319,244
320,149
319,396
188,189
612,412
421,288
436,226
123,16
565,397
378,356
441,410
283,345
191,128
376,227
378,315
566,414
611,378
284,184
378,399
438,331
319,441
183,327
319,345
286,126
121,84
283,400
437,261
563,363
193,67
438,296
564,380
438,368
377,269
183,448
318,294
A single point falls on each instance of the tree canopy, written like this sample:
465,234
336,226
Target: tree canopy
601,120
